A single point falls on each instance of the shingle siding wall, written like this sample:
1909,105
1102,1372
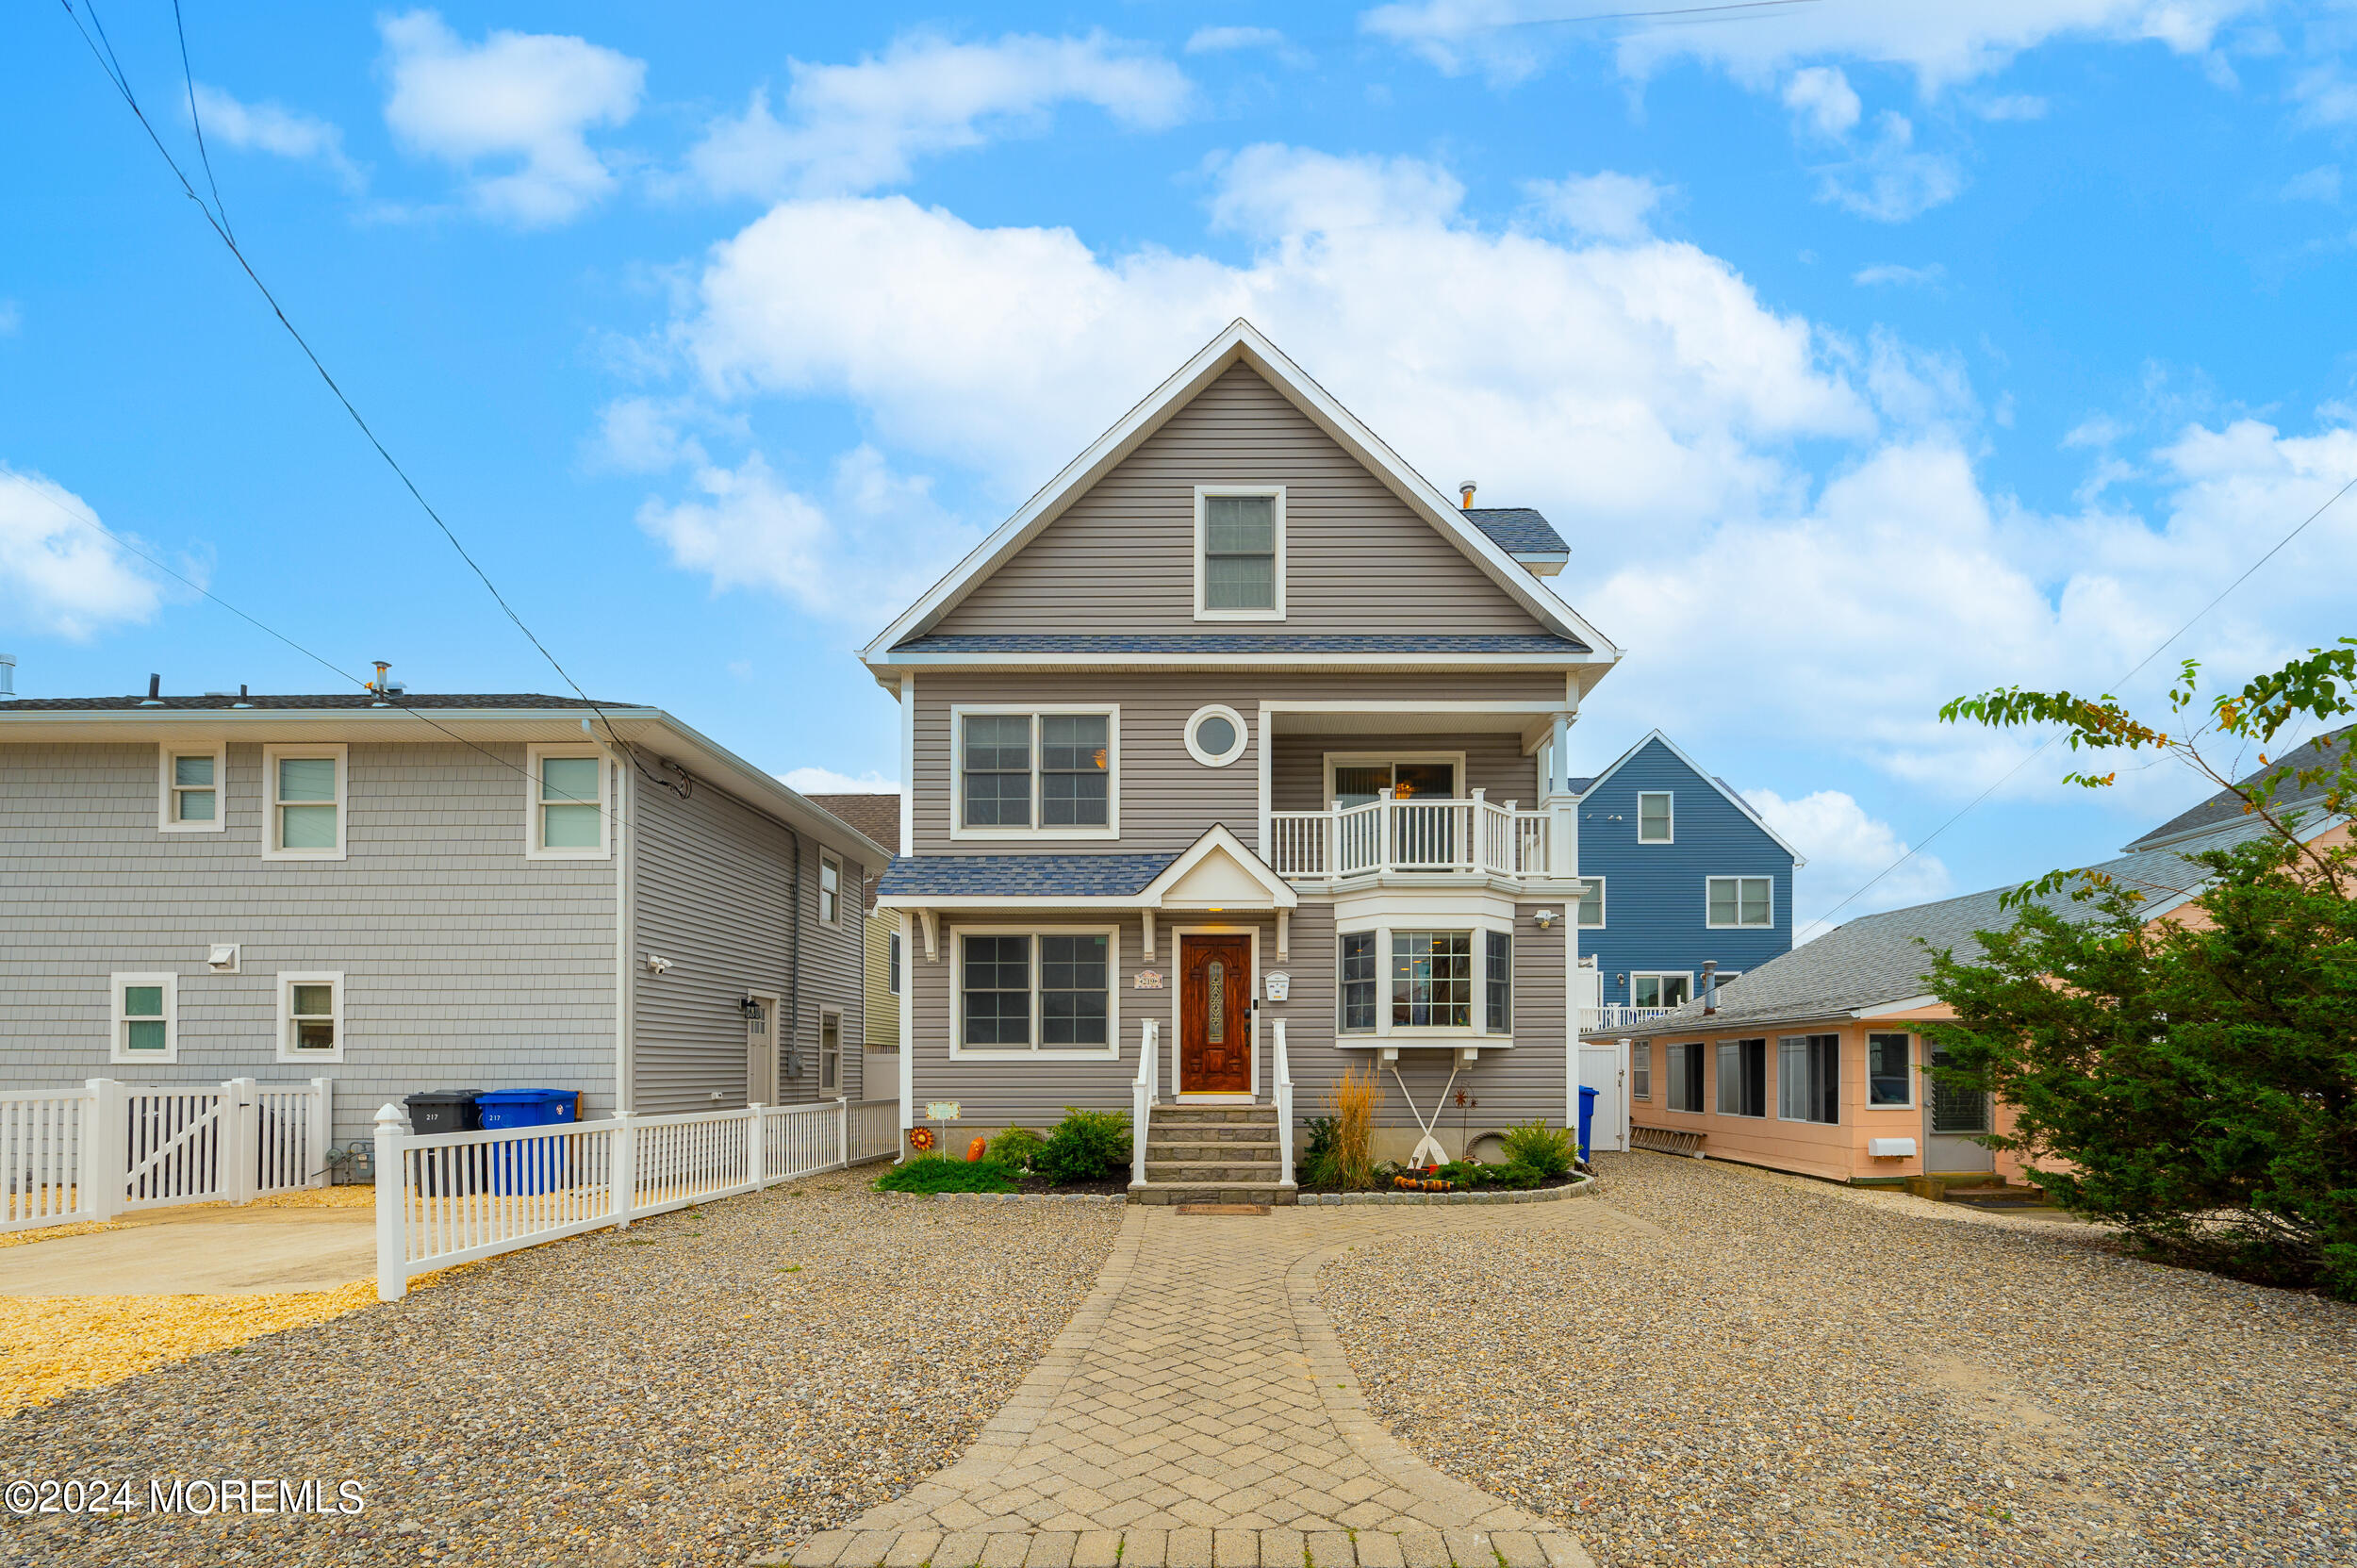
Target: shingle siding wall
1654,893
1121,558
1167,798
465,964
713,892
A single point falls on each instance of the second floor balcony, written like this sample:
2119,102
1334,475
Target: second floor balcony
1452,839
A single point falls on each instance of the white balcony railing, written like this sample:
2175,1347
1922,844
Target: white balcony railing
1472,838
1613,1017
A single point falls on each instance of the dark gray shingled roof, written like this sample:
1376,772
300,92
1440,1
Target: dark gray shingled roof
1022,876
1874,959
2226,806
1254,642
875,815
337,700
1518,530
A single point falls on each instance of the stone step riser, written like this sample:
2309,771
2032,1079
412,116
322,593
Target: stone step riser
1233,1115
1225,1148
1198,1175
1231,1192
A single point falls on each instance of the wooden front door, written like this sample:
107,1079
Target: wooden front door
1215,1015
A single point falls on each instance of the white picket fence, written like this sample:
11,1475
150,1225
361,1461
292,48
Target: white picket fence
108,1147
450,1198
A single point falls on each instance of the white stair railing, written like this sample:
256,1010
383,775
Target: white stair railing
1284,1075
1142,1096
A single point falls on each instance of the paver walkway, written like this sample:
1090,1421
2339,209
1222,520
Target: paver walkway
1197,1412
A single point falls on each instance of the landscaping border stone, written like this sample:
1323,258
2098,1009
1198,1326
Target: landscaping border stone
1580,1188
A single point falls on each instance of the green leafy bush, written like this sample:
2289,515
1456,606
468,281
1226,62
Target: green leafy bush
1017,1147
1317,1156
934,1174
1086,1146
1512,1174
1542,1148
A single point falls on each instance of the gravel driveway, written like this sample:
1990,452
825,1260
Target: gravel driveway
701,1388
1767,1375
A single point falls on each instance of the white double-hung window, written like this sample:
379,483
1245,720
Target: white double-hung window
1036,772
1656,821
565,792
146,1025
189,786
1035,992
311,1017
303,802
1740,901
1240,553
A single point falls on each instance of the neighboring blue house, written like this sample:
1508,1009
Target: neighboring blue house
1690,873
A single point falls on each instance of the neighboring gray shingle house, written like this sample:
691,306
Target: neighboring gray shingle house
421,892
1240,722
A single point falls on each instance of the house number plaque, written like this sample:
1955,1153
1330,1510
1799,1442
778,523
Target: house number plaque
1148,980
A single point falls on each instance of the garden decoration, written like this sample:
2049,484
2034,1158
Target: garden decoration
921,1139
975,1150
1423,1184
1428,1151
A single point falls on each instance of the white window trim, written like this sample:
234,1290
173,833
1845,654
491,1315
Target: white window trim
165,752
1203,493
116,1050
1914,1101
1373,759
1636,975
1477,924
1110,1050
958,828
824,1014
287,981
1603,909
1214,759
1739,923
826,858
270,757
534,847
1840,1089
1669,795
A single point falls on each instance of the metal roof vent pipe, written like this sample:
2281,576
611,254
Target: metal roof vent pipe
1466,487
8,677
155,692
380,685
1710,986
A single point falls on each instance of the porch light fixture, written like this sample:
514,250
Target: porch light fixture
1546,919
746,1005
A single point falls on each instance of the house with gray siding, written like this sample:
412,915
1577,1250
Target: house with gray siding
1235,758
403,891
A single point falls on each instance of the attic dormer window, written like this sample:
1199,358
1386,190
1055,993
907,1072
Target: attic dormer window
1240,553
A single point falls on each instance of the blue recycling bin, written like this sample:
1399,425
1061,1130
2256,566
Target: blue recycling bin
1587,1116
528,1164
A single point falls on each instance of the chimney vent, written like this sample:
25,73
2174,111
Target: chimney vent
380,685
1466,489
155,692
1710,986
8,677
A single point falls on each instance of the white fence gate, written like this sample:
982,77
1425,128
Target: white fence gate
1603,1067
450,1198
108,1147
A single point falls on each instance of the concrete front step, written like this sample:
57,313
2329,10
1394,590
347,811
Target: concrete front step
1180,1144
1183,1112
1189,1173
1163,1131
1204,1192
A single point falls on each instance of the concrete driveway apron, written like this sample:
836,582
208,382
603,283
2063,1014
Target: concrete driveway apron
1197,1412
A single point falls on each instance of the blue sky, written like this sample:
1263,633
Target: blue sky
1867,355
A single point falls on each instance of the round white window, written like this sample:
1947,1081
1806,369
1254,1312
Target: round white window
1215,736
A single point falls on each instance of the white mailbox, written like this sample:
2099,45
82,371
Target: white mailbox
1275,986
1890,1149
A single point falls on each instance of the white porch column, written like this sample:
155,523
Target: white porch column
1562,808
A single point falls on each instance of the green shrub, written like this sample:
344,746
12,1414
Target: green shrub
932,1173
1543,1149
1317,1155
1085,1147
1512,1174
1017,1147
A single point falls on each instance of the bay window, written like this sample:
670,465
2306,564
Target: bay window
1357,990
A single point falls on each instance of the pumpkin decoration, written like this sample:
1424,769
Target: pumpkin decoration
921,1139
975,1150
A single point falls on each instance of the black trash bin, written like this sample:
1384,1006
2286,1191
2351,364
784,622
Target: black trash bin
445,1111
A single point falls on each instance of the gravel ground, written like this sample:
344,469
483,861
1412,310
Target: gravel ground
700,1388
1784,1375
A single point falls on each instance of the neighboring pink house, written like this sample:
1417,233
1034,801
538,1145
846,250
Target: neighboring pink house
1815,1062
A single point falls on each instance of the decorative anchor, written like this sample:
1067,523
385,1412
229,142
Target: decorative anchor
1439,1156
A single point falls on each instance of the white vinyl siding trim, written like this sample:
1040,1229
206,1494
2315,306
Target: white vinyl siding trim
1749,902
1035,712
178,794
1035,1050
302,1012
542,794
140,1004
1656,816
1275,610
276,804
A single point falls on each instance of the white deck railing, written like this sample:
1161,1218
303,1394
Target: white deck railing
1613,1017
1473,837
452,1197
1143,1093
1283,1086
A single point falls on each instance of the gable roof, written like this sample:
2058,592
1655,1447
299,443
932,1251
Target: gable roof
2226,806
878,815
1583,787
1241,342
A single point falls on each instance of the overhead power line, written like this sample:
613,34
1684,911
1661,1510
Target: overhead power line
1913,851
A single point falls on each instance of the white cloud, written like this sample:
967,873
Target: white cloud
1846,849
59,577
1823,101
1606,206
2012,105
826,781
2320,184
268,127
1892,273
523,100
1269,191
858,555
2326,94
856,127
1212,40
1888,180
